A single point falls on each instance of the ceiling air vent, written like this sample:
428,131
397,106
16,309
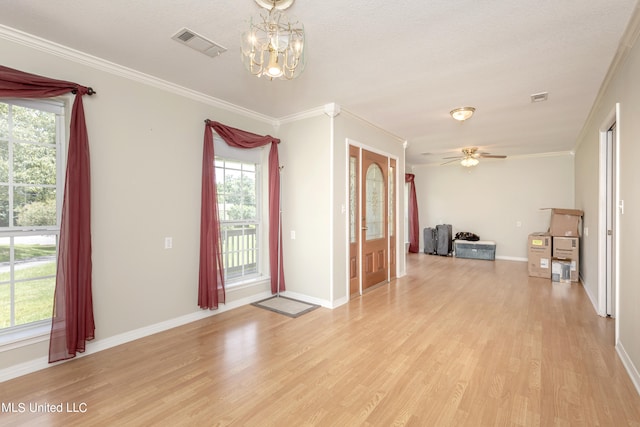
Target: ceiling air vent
199,43
539,97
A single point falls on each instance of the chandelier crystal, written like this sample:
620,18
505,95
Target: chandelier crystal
274,45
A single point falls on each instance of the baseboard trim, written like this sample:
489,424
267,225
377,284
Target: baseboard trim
310,300
38,364
591,297
512,258
629,366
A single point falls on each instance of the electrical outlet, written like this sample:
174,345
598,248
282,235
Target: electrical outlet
168,242
293,235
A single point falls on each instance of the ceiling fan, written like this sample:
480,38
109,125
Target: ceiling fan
470,157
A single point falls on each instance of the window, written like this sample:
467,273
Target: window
30,190
238,207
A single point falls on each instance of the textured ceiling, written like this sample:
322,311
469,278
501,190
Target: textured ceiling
400,65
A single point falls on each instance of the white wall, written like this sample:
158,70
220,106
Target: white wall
491,198
304,152
623,88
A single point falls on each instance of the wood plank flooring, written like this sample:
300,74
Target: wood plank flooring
454,343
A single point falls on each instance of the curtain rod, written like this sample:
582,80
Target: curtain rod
90,91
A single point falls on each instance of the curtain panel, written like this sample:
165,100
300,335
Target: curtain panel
211,278
72,320
414,229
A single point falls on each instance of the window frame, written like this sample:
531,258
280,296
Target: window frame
233,156
17,335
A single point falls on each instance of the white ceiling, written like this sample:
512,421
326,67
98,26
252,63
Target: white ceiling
401,65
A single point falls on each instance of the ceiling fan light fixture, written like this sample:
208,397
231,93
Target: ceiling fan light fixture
468,162
463,113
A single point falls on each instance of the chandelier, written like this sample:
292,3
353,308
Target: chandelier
274,46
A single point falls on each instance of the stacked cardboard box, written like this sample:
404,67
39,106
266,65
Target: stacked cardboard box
555,254
540,255
568,249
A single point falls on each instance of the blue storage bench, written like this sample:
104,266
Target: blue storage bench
482,249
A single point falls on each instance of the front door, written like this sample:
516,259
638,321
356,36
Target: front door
375,219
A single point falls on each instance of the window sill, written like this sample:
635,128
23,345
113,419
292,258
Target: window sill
247,283
24,336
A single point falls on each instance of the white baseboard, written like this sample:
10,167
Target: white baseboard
310,300
512,258
592,298
38,364
628,364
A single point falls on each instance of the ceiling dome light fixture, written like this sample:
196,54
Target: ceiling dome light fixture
274,46
462,114
468,162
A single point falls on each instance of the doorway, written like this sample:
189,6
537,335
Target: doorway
610,173
372,219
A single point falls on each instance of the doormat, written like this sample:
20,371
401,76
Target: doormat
287,306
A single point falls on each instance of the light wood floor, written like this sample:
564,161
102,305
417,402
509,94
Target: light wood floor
455,343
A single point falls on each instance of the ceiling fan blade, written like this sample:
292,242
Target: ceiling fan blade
454,157
451,161
491,156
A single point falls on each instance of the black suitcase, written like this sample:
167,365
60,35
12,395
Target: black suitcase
444,239
430,241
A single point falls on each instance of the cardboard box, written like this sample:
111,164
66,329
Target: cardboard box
539,255
565,222
561,270
568,248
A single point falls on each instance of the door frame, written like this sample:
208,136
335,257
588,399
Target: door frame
360,146
613,119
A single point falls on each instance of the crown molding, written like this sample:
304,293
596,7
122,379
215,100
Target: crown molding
314,112
399,139
627,41
61,51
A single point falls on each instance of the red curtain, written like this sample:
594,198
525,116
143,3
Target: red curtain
414,229
72,321
211,278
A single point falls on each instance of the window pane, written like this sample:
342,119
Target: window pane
240,250
35,270
392,200
35,251
34,164
4,255
4,205
352,200
237,196
4,161
375,203
34,300
4,121
248,201
34,125
34,206
233,165
5,305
